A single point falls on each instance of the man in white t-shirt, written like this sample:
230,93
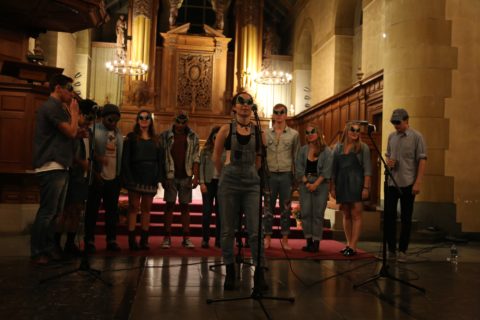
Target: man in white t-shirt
106,185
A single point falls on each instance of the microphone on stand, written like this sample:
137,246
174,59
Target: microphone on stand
254,107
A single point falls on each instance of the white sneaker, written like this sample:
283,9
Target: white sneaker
187,243
166,243
402,257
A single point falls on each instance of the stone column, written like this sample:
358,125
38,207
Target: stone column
418,64
248,44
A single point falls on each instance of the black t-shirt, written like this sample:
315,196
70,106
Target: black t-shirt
49,143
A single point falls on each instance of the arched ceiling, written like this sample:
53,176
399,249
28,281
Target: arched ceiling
35,16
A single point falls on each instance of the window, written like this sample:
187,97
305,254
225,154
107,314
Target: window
198,13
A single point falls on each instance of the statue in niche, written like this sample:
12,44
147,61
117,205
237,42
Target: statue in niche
219,6
120,29
174,6
271,41
139,94
38,55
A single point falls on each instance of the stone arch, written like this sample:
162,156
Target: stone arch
345,16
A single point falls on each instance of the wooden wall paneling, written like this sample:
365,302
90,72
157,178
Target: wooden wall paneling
14,139
363,101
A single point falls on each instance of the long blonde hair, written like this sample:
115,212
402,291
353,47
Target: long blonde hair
357,145
320,137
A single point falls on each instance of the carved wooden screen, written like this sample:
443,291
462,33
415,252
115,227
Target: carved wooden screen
194,84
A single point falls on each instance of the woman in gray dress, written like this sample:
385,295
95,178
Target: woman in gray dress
350,185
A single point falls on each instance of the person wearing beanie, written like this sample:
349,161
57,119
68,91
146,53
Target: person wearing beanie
182,160
106,184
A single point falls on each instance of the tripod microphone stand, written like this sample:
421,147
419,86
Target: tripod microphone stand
85,259
257,293
384,273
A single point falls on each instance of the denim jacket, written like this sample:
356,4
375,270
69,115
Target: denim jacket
101,135
324,164
207,167
193,152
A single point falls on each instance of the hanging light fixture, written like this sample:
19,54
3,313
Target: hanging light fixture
127,68
274,77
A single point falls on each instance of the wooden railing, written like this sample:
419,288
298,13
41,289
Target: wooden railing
362,101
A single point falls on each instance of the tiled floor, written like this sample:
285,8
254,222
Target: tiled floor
177,288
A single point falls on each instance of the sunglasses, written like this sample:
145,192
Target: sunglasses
68,87
357,130
182,119
279,112
313,131
396,122
242,100
147,117
112,119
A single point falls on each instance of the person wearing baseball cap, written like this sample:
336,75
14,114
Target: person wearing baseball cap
406,157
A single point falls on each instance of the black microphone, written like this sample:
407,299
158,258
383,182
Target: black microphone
254,107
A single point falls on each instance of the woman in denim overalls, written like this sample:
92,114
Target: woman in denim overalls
239,185
313,168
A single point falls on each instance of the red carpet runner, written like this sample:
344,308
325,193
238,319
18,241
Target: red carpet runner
329,250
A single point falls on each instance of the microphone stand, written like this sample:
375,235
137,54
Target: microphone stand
384,273
239,257
85,259
257,293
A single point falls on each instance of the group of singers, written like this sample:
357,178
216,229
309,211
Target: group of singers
227,170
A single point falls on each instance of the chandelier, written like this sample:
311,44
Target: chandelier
124,68
273,77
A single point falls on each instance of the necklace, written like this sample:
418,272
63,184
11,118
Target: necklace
244,126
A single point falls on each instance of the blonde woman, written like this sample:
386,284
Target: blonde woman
351,178
313,169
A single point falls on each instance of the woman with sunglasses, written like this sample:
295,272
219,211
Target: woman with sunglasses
313,169
350,185
239,185
209,186
142,169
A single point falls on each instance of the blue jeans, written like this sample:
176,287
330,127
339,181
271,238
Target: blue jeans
53,189
208,199
313,205
280,187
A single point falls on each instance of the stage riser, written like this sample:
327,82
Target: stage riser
157,220
196,231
